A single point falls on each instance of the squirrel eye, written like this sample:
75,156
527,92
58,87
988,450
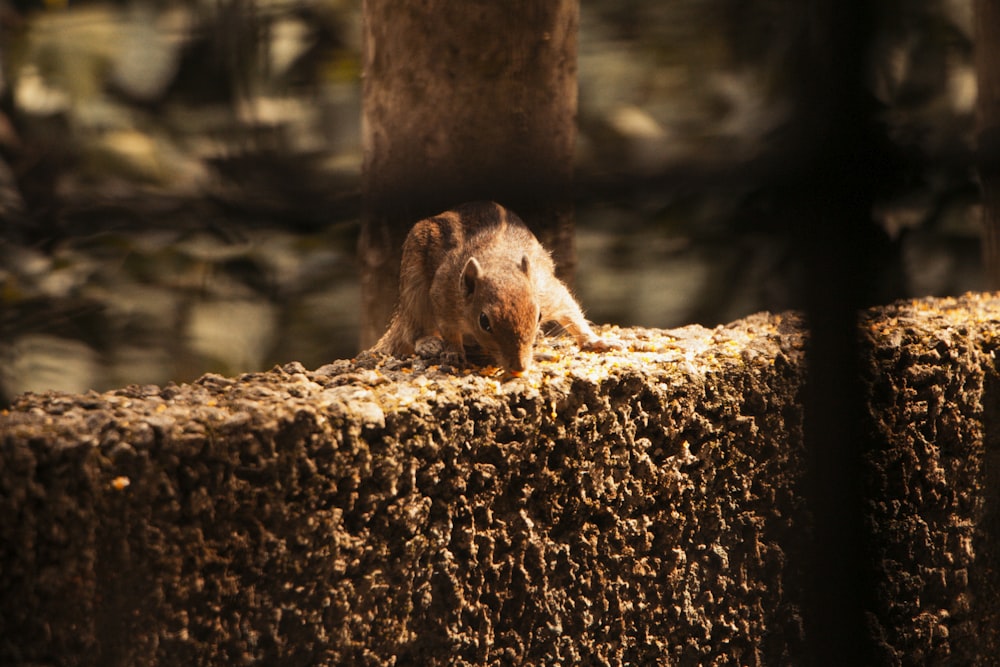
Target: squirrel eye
484,323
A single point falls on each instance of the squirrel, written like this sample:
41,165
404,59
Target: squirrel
476,274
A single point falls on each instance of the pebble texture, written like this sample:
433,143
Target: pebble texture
619,508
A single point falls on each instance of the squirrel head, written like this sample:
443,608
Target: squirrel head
501,312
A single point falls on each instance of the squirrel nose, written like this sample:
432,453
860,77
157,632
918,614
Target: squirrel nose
519,365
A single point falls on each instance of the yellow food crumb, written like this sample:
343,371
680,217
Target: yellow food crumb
120,483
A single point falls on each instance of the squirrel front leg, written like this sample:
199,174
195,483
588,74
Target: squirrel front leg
453,351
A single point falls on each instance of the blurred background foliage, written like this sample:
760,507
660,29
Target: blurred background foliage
179,181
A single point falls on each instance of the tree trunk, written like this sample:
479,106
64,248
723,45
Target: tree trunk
462,101
987,37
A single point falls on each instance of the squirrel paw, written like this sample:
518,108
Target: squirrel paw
434,347
599,345
429,347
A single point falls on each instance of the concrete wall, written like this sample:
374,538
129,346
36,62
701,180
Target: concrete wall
605,509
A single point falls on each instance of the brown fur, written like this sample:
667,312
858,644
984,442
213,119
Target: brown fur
480,260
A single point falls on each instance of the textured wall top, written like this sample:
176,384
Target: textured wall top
604,508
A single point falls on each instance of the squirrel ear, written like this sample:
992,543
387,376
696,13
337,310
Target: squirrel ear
525,267
470,274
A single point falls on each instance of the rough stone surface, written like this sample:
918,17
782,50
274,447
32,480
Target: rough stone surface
617,508
934,478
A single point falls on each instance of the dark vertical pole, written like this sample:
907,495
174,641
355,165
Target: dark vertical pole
986,577
835,167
